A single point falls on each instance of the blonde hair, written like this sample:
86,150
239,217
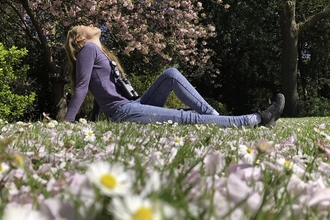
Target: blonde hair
72,47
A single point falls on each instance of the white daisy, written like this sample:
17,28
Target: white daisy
51,124
82,120
284,163
318,130
288,165
133,207
20,123
18,160
20,212
178,141
89,134
248,153
110,179
54,121
200,127
3,169
264,146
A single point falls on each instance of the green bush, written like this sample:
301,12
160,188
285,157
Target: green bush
314,107
14,99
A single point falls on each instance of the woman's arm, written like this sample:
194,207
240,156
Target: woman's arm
84,67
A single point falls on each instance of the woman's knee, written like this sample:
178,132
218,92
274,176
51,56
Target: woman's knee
171,72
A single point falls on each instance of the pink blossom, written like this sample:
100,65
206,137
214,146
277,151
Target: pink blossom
296,186
32,5
57,3
320,196
238,191
214,163
194,175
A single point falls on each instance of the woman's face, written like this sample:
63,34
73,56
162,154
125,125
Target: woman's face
89,32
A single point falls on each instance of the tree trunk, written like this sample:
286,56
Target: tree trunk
290,34
60,99
56,74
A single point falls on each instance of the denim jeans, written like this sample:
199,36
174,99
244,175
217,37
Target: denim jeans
149,108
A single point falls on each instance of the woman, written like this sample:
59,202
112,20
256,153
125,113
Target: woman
91,70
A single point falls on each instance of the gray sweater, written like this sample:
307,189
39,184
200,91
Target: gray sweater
92,73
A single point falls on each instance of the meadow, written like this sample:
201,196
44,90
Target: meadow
105,170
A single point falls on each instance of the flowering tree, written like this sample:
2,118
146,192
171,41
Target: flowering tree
168,31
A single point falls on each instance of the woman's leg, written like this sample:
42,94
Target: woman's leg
173,80
144,114
137,112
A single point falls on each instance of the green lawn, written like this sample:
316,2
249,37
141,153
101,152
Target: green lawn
109,170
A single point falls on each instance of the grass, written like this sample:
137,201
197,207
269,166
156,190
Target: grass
193,171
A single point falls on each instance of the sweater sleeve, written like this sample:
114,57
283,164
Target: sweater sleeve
84,66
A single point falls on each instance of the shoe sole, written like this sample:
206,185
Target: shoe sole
280,100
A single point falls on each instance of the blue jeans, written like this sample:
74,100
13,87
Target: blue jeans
150,107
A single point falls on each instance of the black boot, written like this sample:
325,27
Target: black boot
273,112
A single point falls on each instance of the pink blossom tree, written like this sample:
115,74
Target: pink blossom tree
169,31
